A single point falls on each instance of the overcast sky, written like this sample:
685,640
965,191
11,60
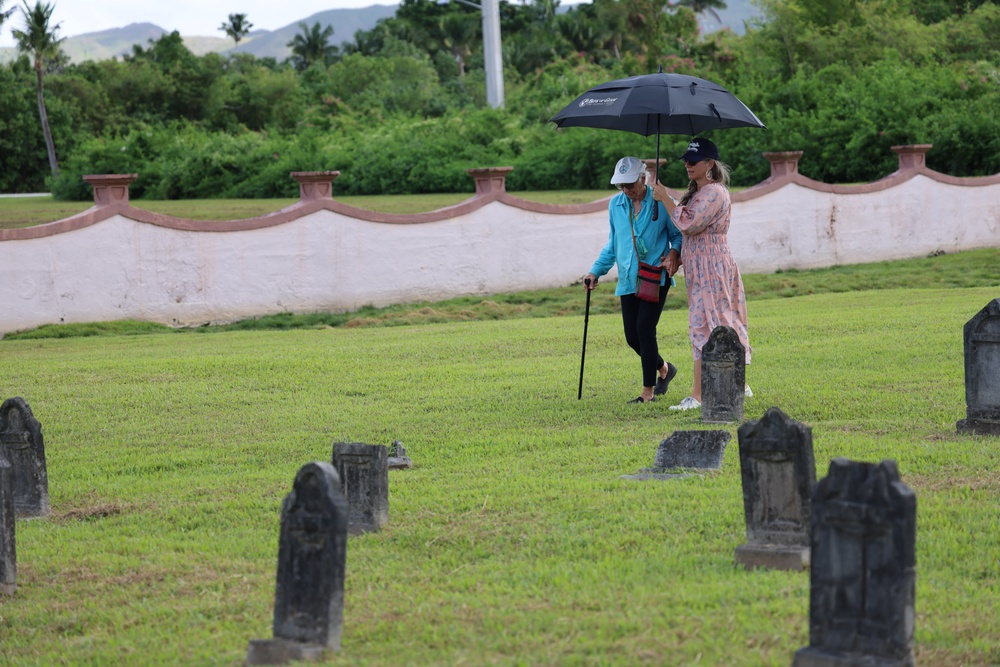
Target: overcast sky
189,17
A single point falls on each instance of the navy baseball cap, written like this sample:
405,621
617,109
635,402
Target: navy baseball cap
700,149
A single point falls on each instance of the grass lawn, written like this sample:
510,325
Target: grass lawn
512,540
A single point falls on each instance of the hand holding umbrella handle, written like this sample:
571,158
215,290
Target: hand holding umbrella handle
661,195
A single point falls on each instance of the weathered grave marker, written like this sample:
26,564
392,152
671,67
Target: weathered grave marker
21,440
364,474
8,550
863,572
982,372
685,449
778,472
312,555
692,449
723,376
397,456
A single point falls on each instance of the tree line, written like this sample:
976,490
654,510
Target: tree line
401,108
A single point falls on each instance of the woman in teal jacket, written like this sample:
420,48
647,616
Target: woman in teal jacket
655,242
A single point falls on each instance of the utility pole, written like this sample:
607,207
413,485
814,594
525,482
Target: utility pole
492,53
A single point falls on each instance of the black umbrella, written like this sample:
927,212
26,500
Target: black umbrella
661,103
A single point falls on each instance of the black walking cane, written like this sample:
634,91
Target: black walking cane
583,353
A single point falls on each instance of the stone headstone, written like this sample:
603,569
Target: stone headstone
312,554
723,376
364,475
22,444
692,449
863,572
982,372
683,450
397,456
8,550
778,473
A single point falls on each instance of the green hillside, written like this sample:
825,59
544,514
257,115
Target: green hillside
110,43
345,23
261,43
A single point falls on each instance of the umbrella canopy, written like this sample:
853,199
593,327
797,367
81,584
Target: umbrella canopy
661,103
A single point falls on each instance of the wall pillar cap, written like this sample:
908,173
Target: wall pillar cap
652,164
490,179
913,156
315,184
110,189
783,163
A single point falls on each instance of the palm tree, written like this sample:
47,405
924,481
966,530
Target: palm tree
458,33
701,6
5,14
237,27
312,45
38,40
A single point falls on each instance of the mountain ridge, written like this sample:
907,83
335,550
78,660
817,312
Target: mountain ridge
115,42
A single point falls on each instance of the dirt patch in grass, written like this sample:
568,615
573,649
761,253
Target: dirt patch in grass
988,480
101,511
361,322
941,658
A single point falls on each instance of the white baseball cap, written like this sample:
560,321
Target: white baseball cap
628,170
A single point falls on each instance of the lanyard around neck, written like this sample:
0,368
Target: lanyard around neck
631,225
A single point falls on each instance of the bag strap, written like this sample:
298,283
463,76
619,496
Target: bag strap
631,226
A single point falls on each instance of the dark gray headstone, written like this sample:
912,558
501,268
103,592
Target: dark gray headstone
723,376
364,474
778,472
982,372
8,550
863,572
692,449
22,444
309,602
683,450
397,456
312,555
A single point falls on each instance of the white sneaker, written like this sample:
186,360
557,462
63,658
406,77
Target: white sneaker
688,403
747,392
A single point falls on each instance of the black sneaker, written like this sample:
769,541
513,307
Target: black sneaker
662,384
640,399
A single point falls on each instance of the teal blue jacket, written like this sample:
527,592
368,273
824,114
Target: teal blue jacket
657,236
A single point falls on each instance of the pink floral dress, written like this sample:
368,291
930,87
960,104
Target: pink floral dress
714,285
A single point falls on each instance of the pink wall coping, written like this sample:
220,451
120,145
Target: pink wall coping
315,194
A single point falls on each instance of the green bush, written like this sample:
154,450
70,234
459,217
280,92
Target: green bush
433,155
23,163
842,85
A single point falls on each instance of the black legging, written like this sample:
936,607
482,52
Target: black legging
640,319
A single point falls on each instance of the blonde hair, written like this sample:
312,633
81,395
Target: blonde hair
719,173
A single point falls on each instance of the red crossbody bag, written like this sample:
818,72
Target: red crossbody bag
648,284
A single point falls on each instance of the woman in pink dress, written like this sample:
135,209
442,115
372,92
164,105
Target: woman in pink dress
714,287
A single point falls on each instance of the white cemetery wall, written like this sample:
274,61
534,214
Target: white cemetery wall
116,261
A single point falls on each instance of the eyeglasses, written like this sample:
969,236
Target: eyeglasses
629,186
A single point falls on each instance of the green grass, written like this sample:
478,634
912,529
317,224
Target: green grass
18,212
512,540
